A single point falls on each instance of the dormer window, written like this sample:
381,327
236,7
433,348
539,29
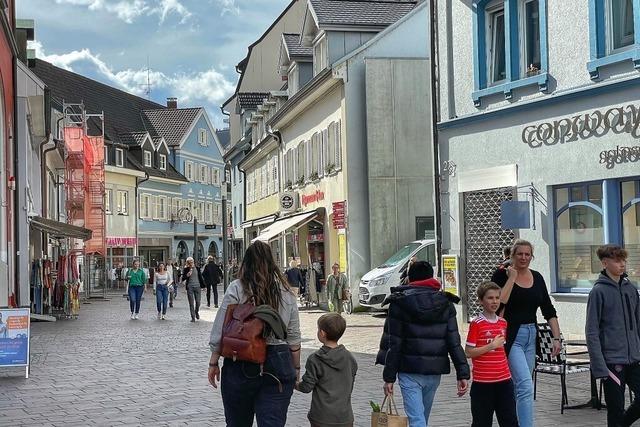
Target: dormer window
147,158
119,157
202,137
163,162
320,54
293,80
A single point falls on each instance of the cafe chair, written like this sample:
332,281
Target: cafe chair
558,365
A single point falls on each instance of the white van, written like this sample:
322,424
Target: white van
376,285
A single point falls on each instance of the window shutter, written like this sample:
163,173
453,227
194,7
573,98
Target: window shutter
338,146
322,158
276,176
153,207
264,180
331,142
141,203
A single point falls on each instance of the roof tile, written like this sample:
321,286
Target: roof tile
361,12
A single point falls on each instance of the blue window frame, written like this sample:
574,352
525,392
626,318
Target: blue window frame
588,215
524,23
614,34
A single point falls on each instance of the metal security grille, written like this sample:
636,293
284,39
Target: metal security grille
484,239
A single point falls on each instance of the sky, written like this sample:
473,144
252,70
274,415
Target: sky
186,49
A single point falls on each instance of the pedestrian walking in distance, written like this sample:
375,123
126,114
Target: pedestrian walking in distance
523,292
212,277
613,314
161,282
330,374
336,285
249,389
420,333
492,388
137,279
192,276
294,277
174,274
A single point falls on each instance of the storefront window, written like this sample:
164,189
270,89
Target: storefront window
631,226
579,232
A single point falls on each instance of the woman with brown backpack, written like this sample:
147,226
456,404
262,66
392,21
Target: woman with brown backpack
257,331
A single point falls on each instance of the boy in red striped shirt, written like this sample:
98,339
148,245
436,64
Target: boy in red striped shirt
492,388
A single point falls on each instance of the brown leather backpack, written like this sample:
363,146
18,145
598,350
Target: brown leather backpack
243,334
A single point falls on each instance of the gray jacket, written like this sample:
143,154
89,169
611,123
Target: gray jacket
612,327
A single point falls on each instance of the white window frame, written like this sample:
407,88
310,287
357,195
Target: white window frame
188,170
163,162
201,211
203,137
320,54
106,154
119,162
154,207
122,204
492,12
145,206
275,176
203,174
293,79
108,197
610,33
209,213
215,177
148,162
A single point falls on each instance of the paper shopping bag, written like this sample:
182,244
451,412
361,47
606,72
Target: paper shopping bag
389,416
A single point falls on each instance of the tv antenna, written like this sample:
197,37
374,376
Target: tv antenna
147,86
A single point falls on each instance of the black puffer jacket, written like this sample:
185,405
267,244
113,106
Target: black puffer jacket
420,334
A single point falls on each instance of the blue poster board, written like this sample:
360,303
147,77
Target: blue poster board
515,214
15,328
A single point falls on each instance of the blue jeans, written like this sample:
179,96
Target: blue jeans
135,296
418,392
162,296
521,363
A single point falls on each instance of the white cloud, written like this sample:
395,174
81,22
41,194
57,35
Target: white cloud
204,87
228,6
129,10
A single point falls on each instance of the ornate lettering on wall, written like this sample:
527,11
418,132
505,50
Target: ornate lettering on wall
121,241
620,155
583,126
312,198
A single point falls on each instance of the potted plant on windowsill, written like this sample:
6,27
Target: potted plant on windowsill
300,181
330,168
314,177
532,70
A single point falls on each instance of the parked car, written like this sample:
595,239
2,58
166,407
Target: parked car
376,285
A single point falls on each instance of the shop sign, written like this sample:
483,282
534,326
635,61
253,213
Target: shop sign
121,241
312,198
288,201
620,155
625,119
342,251
339,215
451,274
319,237
14,337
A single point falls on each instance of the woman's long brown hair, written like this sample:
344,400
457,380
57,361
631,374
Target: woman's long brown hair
261,277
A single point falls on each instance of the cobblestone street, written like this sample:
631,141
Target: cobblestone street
105,369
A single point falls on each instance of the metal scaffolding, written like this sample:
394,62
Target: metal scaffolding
85,191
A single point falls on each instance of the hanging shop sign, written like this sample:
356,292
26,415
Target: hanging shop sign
121,241
451,274
624,119
611,158
312,198
14,337
339,215
288,201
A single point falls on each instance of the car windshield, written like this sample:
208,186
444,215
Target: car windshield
400,255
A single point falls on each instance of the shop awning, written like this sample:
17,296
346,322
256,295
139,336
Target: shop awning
278,227
60,229
259,221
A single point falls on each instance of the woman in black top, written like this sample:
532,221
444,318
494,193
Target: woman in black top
523,292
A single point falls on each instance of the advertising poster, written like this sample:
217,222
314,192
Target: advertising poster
342,251
451,274
14,337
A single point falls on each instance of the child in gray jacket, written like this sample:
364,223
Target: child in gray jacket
612,330
330,373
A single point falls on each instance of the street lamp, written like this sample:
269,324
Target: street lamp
185,215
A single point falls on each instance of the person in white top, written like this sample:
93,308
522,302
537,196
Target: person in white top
161,282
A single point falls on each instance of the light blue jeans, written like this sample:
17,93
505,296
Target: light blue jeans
521,363
418,392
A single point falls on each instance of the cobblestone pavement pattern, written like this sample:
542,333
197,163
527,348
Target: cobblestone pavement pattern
105,369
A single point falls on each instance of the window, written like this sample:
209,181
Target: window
209,213
276,176
239,174
106,154
203,173
108,196
203,137
630,192
320,54
119,157
235,216
497,61
334,149
530,29
145,206
147,158
240,214
510,45
217,213
163,162
161,208
611,34
620,24
123,202
201,212
215,172
292,80
188,170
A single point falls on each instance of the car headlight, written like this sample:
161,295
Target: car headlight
380,281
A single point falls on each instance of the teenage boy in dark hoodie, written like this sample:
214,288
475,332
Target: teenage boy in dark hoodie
330,373
612,331
420,334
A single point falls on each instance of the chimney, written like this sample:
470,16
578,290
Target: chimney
172,103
